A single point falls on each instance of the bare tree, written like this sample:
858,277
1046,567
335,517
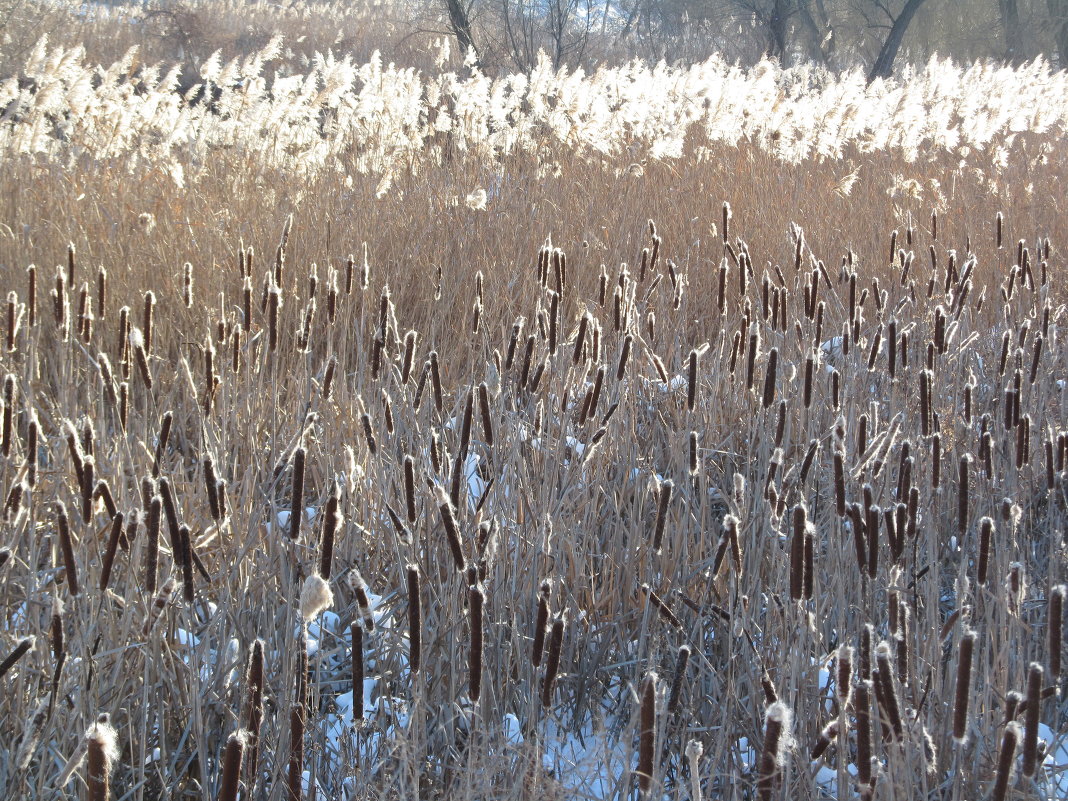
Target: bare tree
460,22
1010,23
1058,13
884,62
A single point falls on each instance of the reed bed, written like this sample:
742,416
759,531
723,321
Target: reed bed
691,466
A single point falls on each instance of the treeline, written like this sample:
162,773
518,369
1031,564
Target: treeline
838,34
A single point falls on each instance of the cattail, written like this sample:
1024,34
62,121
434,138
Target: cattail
185,540
32,434
624,356
31,295
233,756
170,514
296,752
541,623
1031,716
108,561
452,532
147,318
415,622
986,534
315,597
14,320
67,547
137,342
297,495
31,734
963,691
159,603
435,381
363,597
1054,624
331,525
20,649
808,582
1016,584
666,489
476,603
647,732
777,739
797,552
274,303
886,692
828,734
552,663
962,496
662,607
681,661
844,675
1006,757
1013,700
16,499
691,383
484,409
155,512
211,483
356,633
862,713
839,482
56,630
754,349
75,448
254,709
693,461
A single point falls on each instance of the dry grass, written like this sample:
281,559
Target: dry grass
564,494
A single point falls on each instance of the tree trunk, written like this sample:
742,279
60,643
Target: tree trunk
884,64
778,26
460,21
1058,12
1010,25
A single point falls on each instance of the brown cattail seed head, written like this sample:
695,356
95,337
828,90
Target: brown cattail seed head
962,697
552,664
231,771
777,740
1054,626
414,620
1031,719
1006,756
